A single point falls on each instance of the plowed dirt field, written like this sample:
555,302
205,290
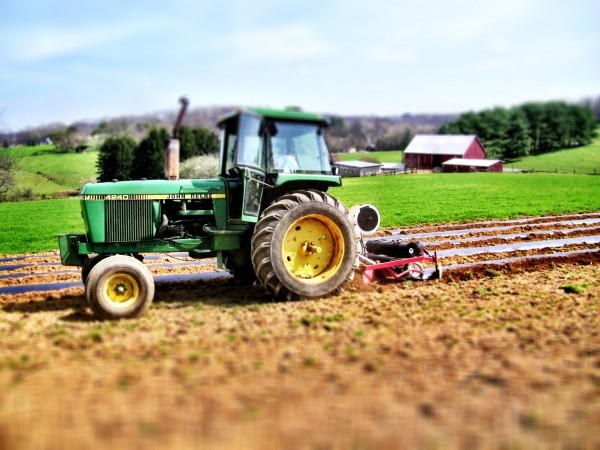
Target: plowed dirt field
492,356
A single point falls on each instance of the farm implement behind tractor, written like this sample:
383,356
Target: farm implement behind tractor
395,260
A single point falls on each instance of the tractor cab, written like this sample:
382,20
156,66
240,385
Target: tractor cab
265,153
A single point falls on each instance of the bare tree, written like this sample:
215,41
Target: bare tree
7,181
7,165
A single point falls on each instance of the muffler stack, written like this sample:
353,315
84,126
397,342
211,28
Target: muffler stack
172,150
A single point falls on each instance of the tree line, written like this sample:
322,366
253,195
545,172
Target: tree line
530,129
372,133
122,158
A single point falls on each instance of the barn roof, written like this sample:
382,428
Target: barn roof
441,144
397,166
471,162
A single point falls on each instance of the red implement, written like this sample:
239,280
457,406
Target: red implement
386,267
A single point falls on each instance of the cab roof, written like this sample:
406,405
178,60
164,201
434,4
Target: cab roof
277,114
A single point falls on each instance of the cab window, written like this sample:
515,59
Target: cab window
250,143
298,147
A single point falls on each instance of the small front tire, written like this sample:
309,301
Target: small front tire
119,287
88,265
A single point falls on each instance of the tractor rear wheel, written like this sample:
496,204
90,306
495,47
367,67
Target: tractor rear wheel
119,287
305,246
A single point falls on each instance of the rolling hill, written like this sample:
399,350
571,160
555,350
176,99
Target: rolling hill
46,173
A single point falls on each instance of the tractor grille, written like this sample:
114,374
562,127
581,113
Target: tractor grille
128,221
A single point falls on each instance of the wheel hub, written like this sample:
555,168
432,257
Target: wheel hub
312,247
122,288
308,248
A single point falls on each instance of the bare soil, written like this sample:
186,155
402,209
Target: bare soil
504,357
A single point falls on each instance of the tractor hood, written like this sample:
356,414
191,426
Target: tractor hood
153,189
133,211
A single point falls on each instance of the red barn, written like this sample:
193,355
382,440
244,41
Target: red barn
431,151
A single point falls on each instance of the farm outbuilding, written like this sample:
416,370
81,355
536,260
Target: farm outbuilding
430,152
473,165
357,168
392,168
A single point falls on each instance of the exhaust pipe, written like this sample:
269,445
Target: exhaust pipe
172,150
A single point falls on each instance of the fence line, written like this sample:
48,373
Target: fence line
565,172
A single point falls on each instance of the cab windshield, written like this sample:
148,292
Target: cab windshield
297,148
277,146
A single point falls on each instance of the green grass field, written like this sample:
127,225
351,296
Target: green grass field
429,198
23,151
402,200
46,172
584,159
31,227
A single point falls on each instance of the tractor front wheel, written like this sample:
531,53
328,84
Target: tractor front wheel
304,246
119,287
239,265
88,265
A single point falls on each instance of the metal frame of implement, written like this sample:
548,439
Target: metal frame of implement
386,268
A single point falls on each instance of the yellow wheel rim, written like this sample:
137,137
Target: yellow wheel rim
122,288
313,248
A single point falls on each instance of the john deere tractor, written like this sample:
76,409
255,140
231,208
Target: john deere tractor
266,217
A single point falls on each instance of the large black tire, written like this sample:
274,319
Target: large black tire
119,287
305,246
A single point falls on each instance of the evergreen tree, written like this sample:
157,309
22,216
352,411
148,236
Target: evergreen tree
531,128
585,120
150,156
188,147
517,141
115,158
207,142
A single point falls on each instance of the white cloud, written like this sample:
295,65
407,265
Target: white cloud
546,52
392,54
48,43
430,55
499,45
282,43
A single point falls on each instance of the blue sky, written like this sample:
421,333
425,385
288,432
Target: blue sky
64,60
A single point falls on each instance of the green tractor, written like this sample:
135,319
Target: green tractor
266,218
